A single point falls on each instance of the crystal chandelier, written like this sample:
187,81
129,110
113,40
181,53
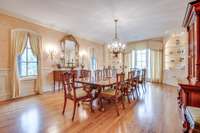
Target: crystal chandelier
116,46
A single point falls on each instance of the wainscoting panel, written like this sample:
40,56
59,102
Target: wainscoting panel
47,79
27,86
5,91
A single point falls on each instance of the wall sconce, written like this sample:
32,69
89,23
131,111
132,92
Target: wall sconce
82,56
52,54
51,51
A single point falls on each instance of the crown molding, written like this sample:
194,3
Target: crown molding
30,20
49,26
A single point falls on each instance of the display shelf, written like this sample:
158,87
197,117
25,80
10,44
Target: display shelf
174,54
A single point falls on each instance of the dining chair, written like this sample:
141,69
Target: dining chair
85,73
107,73
98,74
142,79
114,72
74,73
114,94
75,92
137,78
131,86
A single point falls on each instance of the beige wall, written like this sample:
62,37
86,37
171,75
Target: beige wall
87,46
155,43
50,38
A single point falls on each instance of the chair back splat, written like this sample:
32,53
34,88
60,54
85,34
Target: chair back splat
69,85
119,82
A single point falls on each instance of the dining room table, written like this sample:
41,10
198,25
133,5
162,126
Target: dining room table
97,85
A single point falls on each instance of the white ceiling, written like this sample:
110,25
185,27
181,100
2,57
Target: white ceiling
93,19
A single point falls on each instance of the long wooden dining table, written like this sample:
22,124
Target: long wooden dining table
106,82
97,85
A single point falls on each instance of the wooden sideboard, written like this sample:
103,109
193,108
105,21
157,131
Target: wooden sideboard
57,77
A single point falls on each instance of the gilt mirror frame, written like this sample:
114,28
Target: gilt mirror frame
71,38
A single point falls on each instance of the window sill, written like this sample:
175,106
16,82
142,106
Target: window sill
28,78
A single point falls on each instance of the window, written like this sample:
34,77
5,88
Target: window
133,59
140,59
27,62
93,63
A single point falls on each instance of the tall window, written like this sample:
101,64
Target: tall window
93,63
27,62
140,58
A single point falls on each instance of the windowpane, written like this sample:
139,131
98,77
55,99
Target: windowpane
141,59
133,59
94,63
23,56
22,69
31,57
27,62
32,69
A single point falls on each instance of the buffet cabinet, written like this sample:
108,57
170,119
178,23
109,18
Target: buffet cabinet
189,93
57,78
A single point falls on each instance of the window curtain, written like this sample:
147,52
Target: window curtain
156,64
18,44
36,46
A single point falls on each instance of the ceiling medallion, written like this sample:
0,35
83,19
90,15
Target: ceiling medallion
116,47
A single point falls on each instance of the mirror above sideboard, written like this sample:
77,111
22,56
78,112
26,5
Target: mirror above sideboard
70,51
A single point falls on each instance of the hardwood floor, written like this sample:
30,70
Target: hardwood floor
155,112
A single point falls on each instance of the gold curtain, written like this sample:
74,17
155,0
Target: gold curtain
156,65
18,44
36,46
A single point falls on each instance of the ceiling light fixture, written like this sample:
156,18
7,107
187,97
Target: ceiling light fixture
116,46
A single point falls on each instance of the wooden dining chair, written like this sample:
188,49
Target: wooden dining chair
142,79
98,75
74,92
74,73
131,86
114,72
137,77
114,94
85,74
107,73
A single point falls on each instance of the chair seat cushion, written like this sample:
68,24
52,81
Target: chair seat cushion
80,93
108,92
193,117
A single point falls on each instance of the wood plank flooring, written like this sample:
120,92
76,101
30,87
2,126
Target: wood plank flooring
156,111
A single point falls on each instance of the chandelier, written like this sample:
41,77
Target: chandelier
116,46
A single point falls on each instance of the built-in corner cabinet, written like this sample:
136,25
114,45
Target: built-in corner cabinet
174,51
175,58
189,93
